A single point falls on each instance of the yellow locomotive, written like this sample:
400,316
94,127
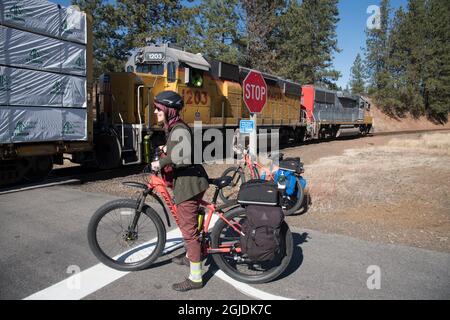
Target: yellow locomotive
212,94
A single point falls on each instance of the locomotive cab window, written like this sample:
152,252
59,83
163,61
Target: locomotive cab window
156,69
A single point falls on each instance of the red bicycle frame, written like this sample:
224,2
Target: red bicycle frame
157,185
251,164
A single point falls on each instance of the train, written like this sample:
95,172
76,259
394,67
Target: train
117,110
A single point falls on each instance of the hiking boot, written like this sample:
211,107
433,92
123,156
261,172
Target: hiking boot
182,260
187,285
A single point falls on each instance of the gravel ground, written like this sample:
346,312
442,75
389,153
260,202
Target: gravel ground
396,192
370,188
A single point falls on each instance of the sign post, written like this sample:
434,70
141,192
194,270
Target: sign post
255,98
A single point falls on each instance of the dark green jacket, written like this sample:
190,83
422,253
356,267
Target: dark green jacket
190,180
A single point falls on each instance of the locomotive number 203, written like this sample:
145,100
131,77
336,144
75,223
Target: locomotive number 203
195,97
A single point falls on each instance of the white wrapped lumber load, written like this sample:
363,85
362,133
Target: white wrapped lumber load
38,124
43,88
32,15
24,49
4,125
23,87
44,17
74,124
73,58
30,50
73,26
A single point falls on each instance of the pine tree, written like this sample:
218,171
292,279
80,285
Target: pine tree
389,96
154,19
293,48
437,65
309,42
357,77
218,29
109,48
415,37
261,20
377,50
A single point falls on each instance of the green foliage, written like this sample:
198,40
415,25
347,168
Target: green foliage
262,29
109,50
217,29
309,40
358,76
293,39
376,47
413,72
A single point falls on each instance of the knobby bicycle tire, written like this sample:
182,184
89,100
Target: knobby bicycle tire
103,257
271,274
230,171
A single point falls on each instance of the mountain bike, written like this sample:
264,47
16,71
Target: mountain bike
250,169
129,235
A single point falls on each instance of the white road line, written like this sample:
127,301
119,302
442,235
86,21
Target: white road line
247,289
94,278
90,280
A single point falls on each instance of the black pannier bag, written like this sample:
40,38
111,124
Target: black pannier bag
259,192
291,164
262,227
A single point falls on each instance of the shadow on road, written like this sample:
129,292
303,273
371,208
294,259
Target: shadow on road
294,265
297,255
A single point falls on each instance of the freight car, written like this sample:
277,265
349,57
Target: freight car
45,84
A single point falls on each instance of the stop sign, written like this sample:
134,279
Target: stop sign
255,91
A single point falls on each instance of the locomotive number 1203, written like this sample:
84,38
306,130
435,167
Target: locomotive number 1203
195,97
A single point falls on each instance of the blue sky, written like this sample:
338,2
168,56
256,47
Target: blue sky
351,36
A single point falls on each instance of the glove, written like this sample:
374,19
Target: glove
155,165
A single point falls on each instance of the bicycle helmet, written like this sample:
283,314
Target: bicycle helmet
170,99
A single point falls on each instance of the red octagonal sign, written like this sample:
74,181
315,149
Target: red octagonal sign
255,91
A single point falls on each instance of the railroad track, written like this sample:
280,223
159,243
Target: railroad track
73,175
79,174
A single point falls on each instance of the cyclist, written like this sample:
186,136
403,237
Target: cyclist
190,182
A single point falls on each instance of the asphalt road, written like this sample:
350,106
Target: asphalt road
43,238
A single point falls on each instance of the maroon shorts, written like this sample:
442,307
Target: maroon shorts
187,217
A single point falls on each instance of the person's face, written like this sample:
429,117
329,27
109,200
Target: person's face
160,117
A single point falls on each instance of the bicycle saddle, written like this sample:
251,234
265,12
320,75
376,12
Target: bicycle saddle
221,182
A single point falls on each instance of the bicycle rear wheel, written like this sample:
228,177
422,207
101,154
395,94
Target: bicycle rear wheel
293,203
115,244
235,265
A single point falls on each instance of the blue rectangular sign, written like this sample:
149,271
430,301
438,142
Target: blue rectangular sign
246,126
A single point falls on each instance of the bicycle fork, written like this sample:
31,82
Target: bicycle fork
131,233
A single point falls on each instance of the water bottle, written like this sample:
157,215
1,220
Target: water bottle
200,218
282,187
263,176
147,148
282,182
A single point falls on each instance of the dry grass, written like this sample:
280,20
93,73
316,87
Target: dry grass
437,142
402,188
367,173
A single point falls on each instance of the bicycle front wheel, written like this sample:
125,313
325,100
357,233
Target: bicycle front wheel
237,266
229,194
121,244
